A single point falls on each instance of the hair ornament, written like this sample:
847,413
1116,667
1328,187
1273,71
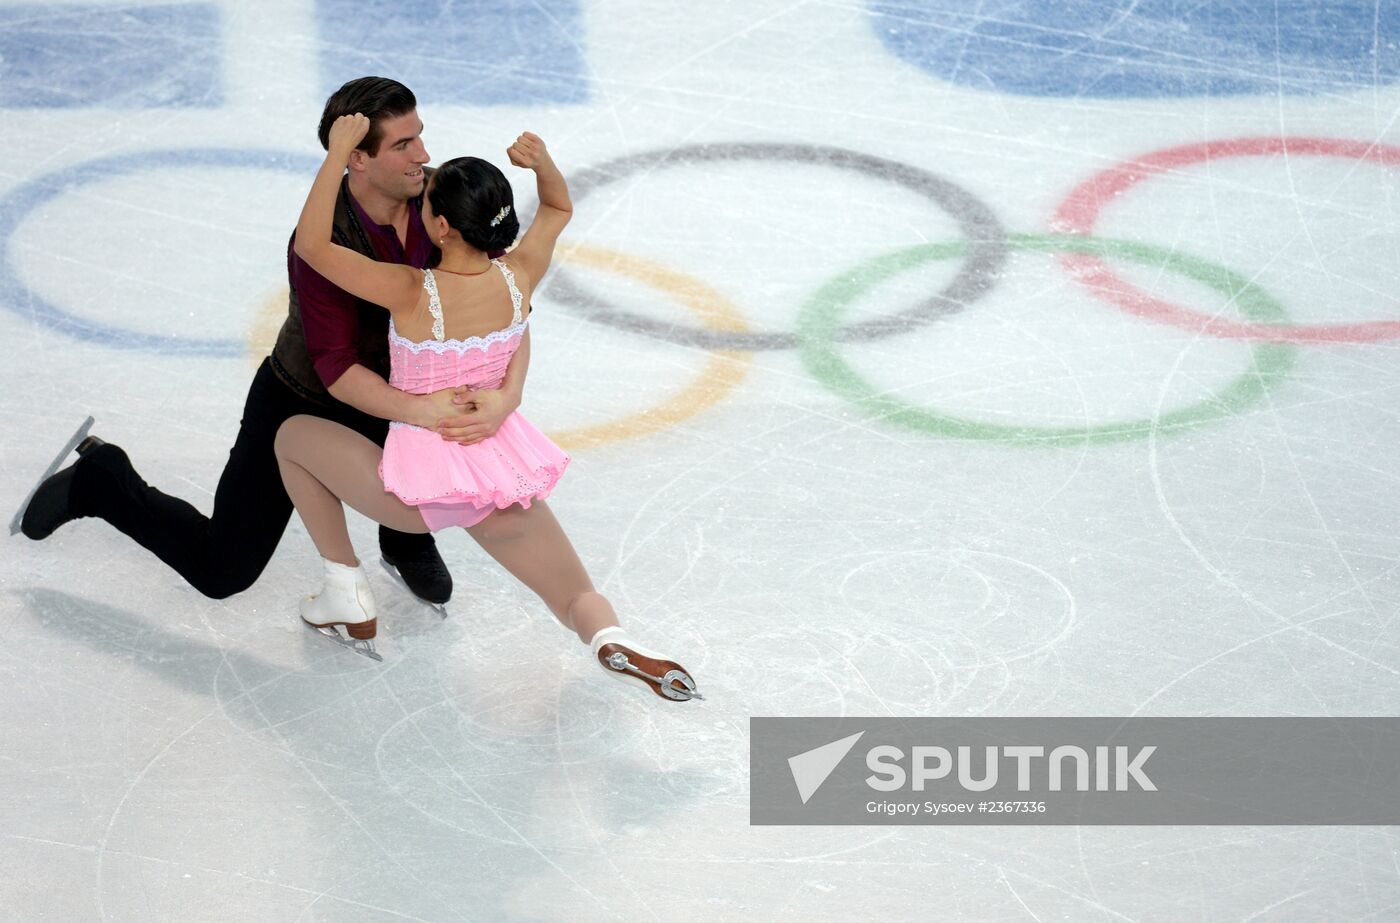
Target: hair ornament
500,216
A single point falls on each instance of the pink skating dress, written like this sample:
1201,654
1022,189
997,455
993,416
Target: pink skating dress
455,484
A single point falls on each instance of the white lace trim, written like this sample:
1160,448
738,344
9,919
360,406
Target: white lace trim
515,296
434,305
435,309
458,346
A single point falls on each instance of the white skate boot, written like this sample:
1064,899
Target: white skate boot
345,601
624,658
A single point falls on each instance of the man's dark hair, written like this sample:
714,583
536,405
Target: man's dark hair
377,97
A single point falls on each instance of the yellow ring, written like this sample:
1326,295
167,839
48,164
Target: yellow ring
721,375
723,372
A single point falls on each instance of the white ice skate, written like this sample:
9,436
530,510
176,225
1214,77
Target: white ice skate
345,602
624,658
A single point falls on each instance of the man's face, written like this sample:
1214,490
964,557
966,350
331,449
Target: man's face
397,170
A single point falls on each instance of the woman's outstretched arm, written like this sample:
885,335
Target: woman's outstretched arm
536,248
390,285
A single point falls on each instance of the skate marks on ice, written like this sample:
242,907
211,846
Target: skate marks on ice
959,631
145,698
406,768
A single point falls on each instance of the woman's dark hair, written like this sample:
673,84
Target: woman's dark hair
377,97
471,193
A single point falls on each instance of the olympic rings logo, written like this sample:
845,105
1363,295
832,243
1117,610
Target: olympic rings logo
983,252
720,327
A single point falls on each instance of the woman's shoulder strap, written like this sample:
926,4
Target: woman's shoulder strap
434,304
515,296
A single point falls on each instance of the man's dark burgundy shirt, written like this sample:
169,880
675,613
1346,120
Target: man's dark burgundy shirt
328,314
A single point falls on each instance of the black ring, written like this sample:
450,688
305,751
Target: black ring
986,243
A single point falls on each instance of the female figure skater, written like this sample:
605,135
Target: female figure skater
458,324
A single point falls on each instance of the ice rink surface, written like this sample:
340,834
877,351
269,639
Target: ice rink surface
950,358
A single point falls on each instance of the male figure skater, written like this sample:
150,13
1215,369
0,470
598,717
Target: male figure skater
331,360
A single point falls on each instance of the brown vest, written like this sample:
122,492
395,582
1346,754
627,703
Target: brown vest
290,359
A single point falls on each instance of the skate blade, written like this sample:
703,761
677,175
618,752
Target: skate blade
49,472
683,692
674,684
439,608
363,648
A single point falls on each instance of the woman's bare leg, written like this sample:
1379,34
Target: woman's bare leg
323,463
531,545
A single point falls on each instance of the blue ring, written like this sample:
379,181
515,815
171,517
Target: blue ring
16,296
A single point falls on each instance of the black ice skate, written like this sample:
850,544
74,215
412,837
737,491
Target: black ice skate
47,505
422,573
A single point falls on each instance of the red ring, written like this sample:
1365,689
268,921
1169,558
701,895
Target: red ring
1082,207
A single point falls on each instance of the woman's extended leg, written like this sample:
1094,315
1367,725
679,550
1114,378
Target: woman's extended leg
530,544
324,463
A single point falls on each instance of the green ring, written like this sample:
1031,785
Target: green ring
822,314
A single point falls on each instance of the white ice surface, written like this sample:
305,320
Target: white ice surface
170,757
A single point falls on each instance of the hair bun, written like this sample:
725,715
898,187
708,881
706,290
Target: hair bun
476,199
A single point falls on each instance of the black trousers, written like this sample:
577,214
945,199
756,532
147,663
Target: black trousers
224,553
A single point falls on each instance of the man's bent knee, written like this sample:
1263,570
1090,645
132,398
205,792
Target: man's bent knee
224,585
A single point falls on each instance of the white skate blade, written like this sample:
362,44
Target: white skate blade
363,648
439,608
53,467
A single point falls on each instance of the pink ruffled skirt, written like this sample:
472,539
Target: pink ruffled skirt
516,465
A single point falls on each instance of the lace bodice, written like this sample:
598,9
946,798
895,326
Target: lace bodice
420,367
